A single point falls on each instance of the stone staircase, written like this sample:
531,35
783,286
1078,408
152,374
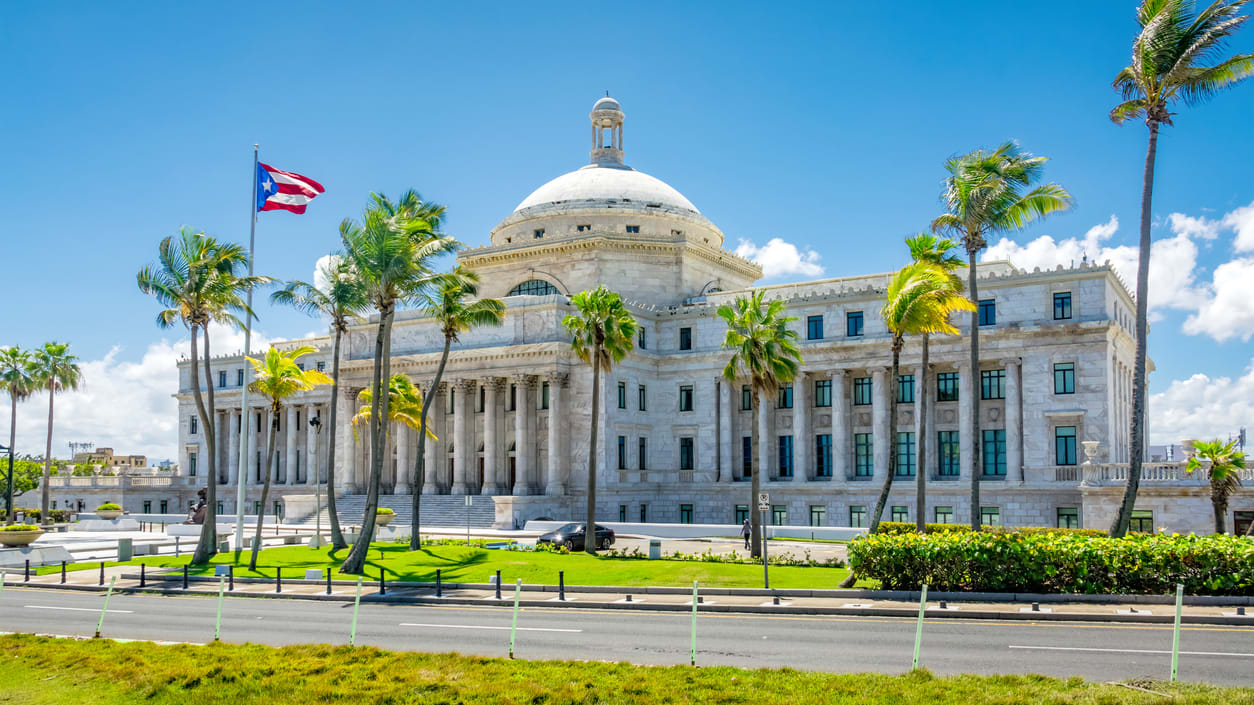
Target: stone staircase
437,510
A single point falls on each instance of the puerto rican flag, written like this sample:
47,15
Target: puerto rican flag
284,190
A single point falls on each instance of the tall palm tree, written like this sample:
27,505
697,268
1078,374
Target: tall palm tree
196,278
1176,57
933,250
278,376
391,249
765,354
986,193
919,300
343,300
451,306
602,333
18,379
55,370
1223,464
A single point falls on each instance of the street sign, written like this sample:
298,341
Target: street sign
764,501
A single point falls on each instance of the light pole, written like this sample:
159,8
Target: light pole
316,422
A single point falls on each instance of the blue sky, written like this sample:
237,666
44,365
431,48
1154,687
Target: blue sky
823,124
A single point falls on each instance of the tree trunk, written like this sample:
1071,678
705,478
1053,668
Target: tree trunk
420,463
265,486
211,445
8,490
1137,434
590,525
755,479
44,490
337,536
974,402
1219,500
206,546
920,463
892,437
355,563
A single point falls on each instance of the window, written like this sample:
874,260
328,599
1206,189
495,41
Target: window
322,366
191,464
993,384
779,514
947,386
513,398
584,229
452,403
988,312
823,392
165,505
746,398
301,365
633,228
1064,378
622,395
533,287
823,455
544,395
685,338
686,453
785,397
685,514
901,513
221,379
905,454
947,455
990,516
944,515
622,513
622,452
853,324
818,515
857,516
685,397
814,328
644,513
1062,305
863,457
483,395
220,511
147,506
785,456
192,425
746,455
537,233
239,378
994,452
257,507
1064,445
905,389
742,513
1142,521
641,398
642,453
642,340
862,391
1068,518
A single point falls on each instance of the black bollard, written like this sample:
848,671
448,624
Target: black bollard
498,584
62,572
439,587
629,598
184,576
143,577
102,572
278,580
26,577
383,589
1240,611
775,601
561,585
231,576
328,581
1036,607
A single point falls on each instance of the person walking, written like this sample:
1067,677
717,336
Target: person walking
746,532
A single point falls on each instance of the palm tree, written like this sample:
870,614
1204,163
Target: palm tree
343,300
765,354
405,402
196,280
278,376
919,301
926,247
602,333
391,250
1169,64
56,370
985,194
451,307
18,379
1223,463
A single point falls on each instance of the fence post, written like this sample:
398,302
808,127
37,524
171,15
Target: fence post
278,580
513,627
1175,636
4,577
918,630
104,609
693,649
176,547
383,588
184,576
561,585
217,624
352,633
102,572
498,584
143,576
26,575
231,574
439,587
62,572
328,581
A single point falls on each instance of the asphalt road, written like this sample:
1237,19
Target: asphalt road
1221,655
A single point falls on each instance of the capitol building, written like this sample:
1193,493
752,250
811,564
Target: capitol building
675,446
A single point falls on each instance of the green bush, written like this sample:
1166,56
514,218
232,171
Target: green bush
384,510
20,527
899,527
108,507
57,515
1143,564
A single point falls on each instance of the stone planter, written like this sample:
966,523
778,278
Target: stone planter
384,519
19,538
108,514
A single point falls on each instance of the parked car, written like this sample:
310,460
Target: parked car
572,537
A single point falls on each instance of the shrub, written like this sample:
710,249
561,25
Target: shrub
108,507
57,515
384,510
20,527
899,527
1051,562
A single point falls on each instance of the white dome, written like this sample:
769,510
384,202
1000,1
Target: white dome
606,103
601,183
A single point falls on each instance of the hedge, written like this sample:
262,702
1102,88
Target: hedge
58,515
108,507
899,527
1148,564
20,527
384,510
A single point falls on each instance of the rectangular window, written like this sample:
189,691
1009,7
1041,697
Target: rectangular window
993,384
901,513
994,452
192,424
742,513
221,379
239,378
1064,445
814,328
785,456
301,365
191,464
622,513
1062,305
1142,521
818,515
685,514
220,511
538,233
322,366
947,453
685,338
544,395
947,386
147,506
905,389
685,397
165,505
823,392
746,455
644,514
863,390
990,516
988,312
622,452
483,397
746,398
641,398
853,324
1068,517
857,516
944,515
823,455
863,455
905,454
642,340
779,514
452,393
785,397
622,395
642,454
687,461
1064,378
633,228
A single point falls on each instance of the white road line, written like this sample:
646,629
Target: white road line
1132,651
476,626
74,609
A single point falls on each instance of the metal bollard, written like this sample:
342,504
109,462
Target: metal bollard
629,598
62,572
498,584
439,587
1036,607
184,576
1240,611
278,580
26,577
328,581
176,546
775,600
561,585
231,572
102,572
383,588
143,577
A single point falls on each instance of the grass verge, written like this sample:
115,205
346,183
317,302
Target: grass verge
70,672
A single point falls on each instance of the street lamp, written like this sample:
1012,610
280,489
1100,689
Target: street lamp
316,423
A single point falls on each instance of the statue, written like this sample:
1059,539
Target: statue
197,514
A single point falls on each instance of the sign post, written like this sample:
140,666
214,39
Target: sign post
764,504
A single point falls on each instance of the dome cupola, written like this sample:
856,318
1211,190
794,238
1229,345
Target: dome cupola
607,131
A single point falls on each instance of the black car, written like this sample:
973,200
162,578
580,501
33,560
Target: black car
572,537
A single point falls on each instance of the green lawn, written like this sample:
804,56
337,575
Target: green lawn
41,671
476,565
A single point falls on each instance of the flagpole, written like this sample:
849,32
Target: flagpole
245,414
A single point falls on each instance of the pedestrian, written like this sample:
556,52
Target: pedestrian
746,532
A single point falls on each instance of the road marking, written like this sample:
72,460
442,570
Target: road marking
477,626
73,609
1132,651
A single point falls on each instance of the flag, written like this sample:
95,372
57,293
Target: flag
284,190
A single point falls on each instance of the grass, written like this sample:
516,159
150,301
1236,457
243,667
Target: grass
41,671
471,564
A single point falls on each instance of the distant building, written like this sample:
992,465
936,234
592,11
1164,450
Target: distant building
104,457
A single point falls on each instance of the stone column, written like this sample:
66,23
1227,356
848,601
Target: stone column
725,463
250,424
841,452
524,440
555,483
763,451
1014,422
217,431
881,424
232,457
289,433
435,458
493,477
463,392
966,424
800,428
312,472
402,460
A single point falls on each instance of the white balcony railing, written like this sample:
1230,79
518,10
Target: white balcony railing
1101,474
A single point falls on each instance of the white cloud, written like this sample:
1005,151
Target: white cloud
1202,408
319,280
780,259
1204,228
1228,311
1241,221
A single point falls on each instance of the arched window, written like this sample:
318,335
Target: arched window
533,287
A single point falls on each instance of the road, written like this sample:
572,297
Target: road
1097,651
